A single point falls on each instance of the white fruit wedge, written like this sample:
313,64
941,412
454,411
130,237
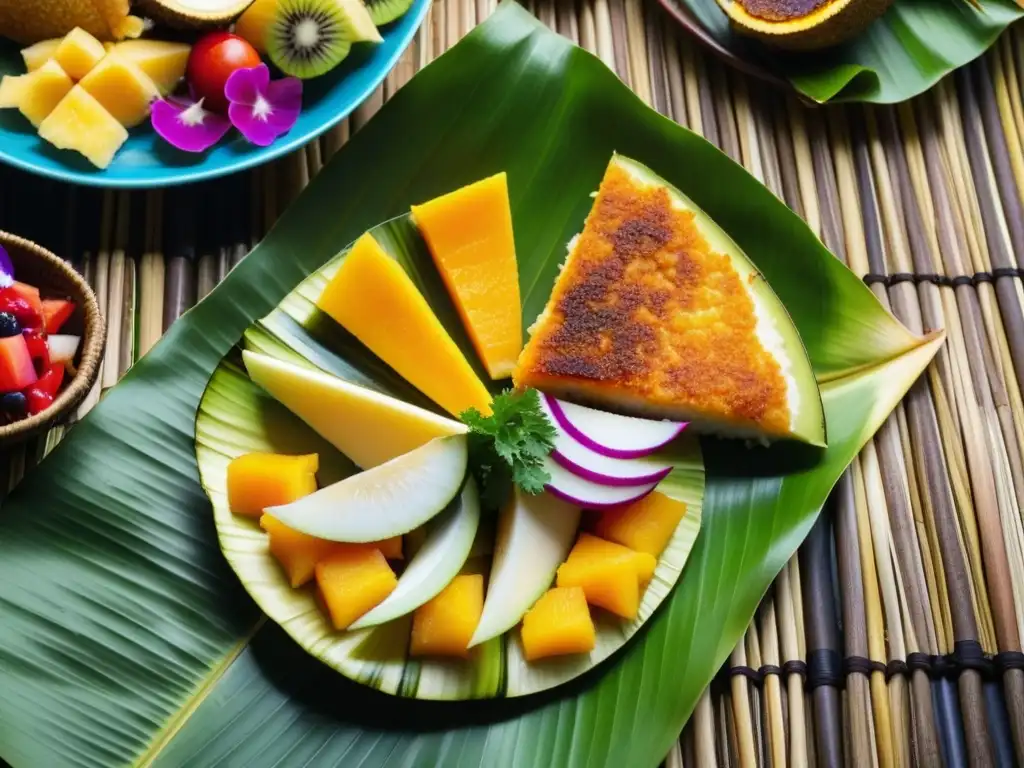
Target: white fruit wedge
388,500
436,562
368,427
534,536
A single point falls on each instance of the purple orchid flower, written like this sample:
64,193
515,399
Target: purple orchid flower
187,125
262,110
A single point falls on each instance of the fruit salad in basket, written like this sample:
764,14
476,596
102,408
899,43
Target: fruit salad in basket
192,71
35,357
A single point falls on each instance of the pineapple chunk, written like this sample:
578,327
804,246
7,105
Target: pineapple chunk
123,89
260,480
353,579
12,90
444,625
558,624
79,122
609,574
163,61
297,552
37,55
78,53
40,92
645,525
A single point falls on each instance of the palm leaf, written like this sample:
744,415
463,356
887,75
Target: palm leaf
903,54
128,639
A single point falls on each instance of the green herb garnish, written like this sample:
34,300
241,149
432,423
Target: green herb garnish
509,447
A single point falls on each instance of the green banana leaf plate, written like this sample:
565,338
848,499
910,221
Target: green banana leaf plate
128,639
901,55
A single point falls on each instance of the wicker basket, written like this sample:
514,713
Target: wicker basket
55,277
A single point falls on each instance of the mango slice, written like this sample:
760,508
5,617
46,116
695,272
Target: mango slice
469,232
444,625
37,55
558,624
260,480
378,303
163,61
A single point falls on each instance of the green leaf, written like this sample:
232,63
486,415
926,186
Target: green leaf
903,54
126,637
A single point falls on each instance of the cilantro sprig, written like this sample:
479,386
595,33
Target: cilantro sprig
508,447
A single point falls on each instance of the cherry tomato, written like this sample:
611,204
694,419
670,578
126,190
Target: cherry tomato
212,60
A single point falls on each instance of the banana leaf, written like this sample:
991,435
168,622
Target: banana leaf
127,639
236,417
901,55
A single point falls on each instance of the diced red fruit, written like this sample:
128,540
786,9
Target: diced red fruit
37,348
30,294
23,309
51,380
16,369
55,313
37,400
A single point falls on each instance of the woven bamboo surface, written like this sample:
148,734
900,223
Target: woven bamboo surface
922,545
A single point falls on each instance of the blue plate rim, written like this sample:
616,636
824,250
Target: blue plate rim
419,11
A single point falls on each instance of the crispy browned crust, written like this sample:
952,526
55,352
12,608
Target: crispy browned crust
646,318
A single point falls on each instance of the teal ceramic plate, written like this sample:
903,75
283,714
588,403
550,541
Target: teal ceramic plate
146,161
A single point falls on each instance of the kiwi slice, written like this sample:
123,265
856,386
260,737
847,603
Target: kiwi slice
385,11
308,38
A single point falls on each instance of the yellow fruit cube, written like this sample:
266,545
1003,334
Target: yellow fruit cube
353,579
609,574
645,525
12,90
123,89
444,625
558,624
81,123
42,91
390,548
37,55
260,480
163,61
78,53
297,552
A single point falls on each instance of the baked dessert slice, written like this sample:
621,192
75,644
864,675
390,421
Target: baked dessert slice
658,313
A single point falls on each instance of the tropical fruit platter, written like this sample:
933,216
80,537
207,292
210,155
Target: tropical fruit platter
191,72
502,516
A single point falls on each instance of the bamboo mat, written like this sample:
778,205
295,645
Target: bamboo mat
920,552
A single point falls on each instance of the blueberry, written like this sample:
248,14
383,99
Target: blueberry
13,404
9,325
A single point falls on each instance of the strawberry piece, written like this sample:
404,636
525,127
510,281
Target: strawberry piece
37,400
38,349
16,369
55,313
51,380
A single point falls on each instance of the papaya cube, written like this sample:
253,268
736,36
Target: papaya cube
78,53
260,480
608,573
558,624
297,552
444,625
353,579
390,548
645,525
